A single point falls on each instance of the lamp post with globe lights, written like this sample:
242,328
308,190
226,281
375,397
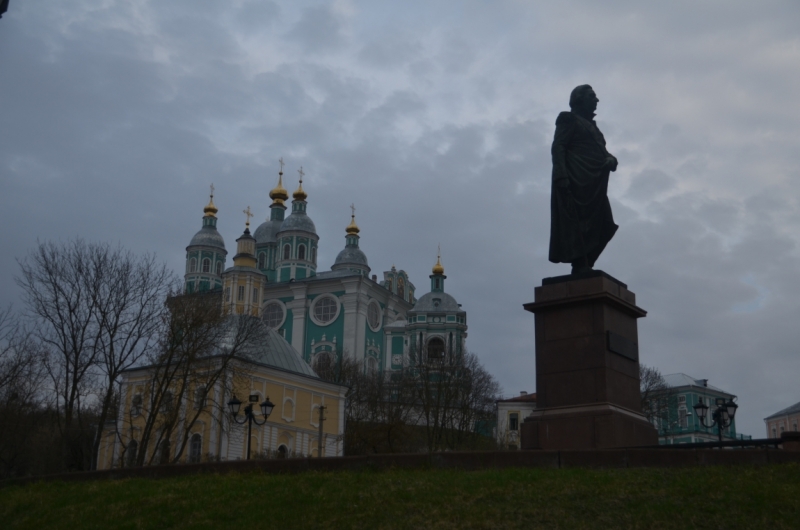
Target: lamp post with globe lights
249,417
722,416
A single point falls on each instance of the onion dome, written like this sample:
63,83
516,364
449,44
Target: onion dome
300,194
352,257
298,219
352,228
208,235
210,210
279,194
438,268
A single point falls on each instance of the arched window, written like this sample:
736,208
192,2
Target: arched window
206,265
163,452
262,260
435,348
136,405
301,252
130,453
166,402
200,398
372,365
195,448
193,265
287,251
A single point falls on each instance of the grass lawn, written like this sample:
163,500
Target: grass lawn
698,497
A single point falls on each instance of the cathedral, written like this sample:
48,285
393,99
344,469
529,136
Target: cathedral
325,315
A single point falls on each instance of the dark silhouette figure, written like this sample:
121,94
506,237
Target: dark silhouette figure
581,224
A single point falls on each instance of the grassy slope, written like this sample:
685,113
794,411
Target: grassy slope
734,497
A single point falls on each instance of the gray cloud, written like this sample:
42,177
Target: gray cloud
436,120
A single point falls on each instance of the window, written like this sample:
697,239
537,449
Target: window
301,252
163,452
166,402
435,348
193,265
273,315
513,421
374,316
325,310
240,295
255,295
130,453
200,397
136,405
206,265
262,260
195,449
287,251
372,365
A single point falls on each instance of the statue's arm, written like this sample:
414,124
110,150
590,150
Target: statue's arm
565,127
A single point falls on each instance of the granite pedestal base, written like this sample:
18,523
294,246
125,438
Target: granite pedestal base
587,366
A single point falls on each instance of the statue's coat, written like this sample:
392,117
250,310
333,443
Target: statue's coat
581,223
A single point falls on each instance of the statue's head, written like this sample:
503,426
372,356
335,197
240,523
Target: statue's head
583,99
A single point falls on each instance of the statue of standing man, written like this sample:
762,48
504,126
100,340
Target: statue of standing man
581,224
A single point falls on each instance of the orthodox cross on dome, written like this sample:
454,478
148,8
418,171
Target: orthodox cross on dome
249,215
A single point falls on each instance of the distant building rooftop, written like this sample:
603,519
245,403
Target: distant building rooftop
794,409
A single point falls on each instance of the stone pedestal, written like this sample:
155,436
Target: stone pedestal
587,366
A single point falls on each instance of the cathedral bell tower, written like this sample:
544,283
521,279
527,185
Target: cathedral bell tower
243,282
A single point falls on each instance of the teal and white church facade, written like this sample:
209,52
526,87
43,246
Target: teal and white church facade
326,315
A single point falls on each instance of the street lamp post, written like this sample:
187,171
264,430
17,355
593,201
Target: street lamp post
249,417
722,416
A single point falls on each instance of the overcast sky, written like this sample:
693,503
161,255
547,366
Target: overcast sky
435,118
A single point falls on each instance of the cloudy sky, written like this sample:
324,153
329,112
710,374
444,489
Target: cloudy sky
435,118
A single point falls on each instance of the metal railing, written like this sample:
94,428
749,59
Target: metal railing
766,443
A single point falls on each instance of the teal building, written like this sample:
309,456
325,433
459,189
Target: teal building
326,315
678,423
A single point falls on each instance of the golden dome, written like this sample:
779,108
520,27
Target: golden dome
279,193
210,210
300,194
352,228
438,269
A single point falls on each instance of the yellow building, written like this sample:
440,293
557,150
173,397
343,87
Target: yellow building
199,421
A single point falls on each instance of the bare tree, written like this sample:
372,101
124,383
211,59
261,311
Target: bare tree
61,294
455,395
97,310
198,351
657,397
22,416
